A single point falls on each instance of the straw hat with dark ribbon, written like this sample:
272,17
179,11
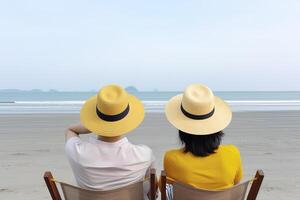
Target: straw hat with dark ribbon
197,111
112,112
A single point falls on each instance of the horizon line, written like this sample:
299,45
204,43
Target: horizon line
133,90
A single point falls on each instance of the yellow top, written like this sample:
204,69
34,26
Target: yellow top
220,170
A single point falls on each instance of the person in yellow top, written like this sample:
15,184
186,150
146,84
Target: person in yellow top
203,162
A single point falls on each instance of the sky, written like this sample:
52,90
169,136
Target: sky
164,45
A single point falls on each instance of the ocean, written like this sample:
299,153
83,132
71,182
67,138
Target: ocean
36,101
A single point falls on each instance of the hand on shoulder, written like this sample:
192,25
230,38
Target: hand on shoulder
75,130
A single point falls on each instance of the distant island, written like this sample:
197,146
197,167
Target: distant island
17,90
129,89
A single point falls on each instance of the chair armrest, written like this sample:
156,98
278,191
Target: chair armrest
259,176
51,186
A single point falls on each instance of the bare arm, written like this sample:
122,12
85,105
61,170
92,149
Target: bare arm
75,130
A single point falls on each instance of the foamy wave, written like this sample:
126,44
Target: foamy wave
150,106
265,102
153,103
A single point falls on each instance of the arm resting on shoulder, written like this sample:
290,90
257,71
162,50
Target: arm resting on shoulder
75,131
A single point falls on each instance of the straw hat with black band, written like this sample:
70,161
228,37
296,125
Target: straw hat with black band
198,112
112,112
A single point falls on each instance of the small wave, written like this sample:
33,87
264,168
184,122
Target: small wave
159,103
150,106
6,102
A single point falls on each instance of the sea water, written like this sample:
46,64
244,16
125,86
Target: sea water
36,101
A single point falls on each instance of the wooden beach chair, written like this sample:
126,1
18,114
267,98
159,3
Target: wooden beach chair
130,192
238,192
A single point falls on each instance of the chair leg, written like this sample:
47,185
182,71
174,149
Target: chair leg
152,184
163,180
51,186
259,176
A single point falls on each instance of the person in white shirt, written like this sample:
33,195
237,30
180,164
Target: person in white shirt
109,161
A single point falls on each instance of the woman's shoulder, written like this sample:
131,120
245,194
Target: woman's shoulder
230,148
173,153
172,159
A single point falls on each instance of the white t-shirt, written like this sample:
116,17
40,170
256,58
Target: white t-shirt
100,165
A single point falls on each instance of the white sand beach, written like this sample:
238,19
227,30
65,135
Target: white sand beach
33,143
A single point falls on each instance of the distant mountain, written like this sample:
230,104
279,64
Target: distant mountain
10,90
131,89
17,90
36,90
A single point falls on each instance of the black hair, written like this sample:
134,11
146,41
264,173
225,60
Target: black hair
201,145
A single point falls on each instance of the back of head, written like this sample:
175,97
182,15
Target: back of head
200,145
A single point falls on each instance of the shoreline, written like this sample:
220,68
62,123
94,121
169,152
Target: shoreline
149,113
73,107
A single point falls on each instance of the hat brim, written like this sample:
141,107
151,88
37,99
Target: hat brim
217,122
90,119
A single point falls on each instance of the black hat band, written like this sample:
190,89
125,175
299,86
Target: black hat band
112,118
197,117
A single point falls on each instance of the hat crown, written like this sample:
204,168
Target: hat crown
198,99
112,100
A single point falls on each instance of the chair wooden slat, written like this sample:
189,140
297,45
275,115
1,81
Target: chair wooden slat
163,180
153,184
51,186
259,176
